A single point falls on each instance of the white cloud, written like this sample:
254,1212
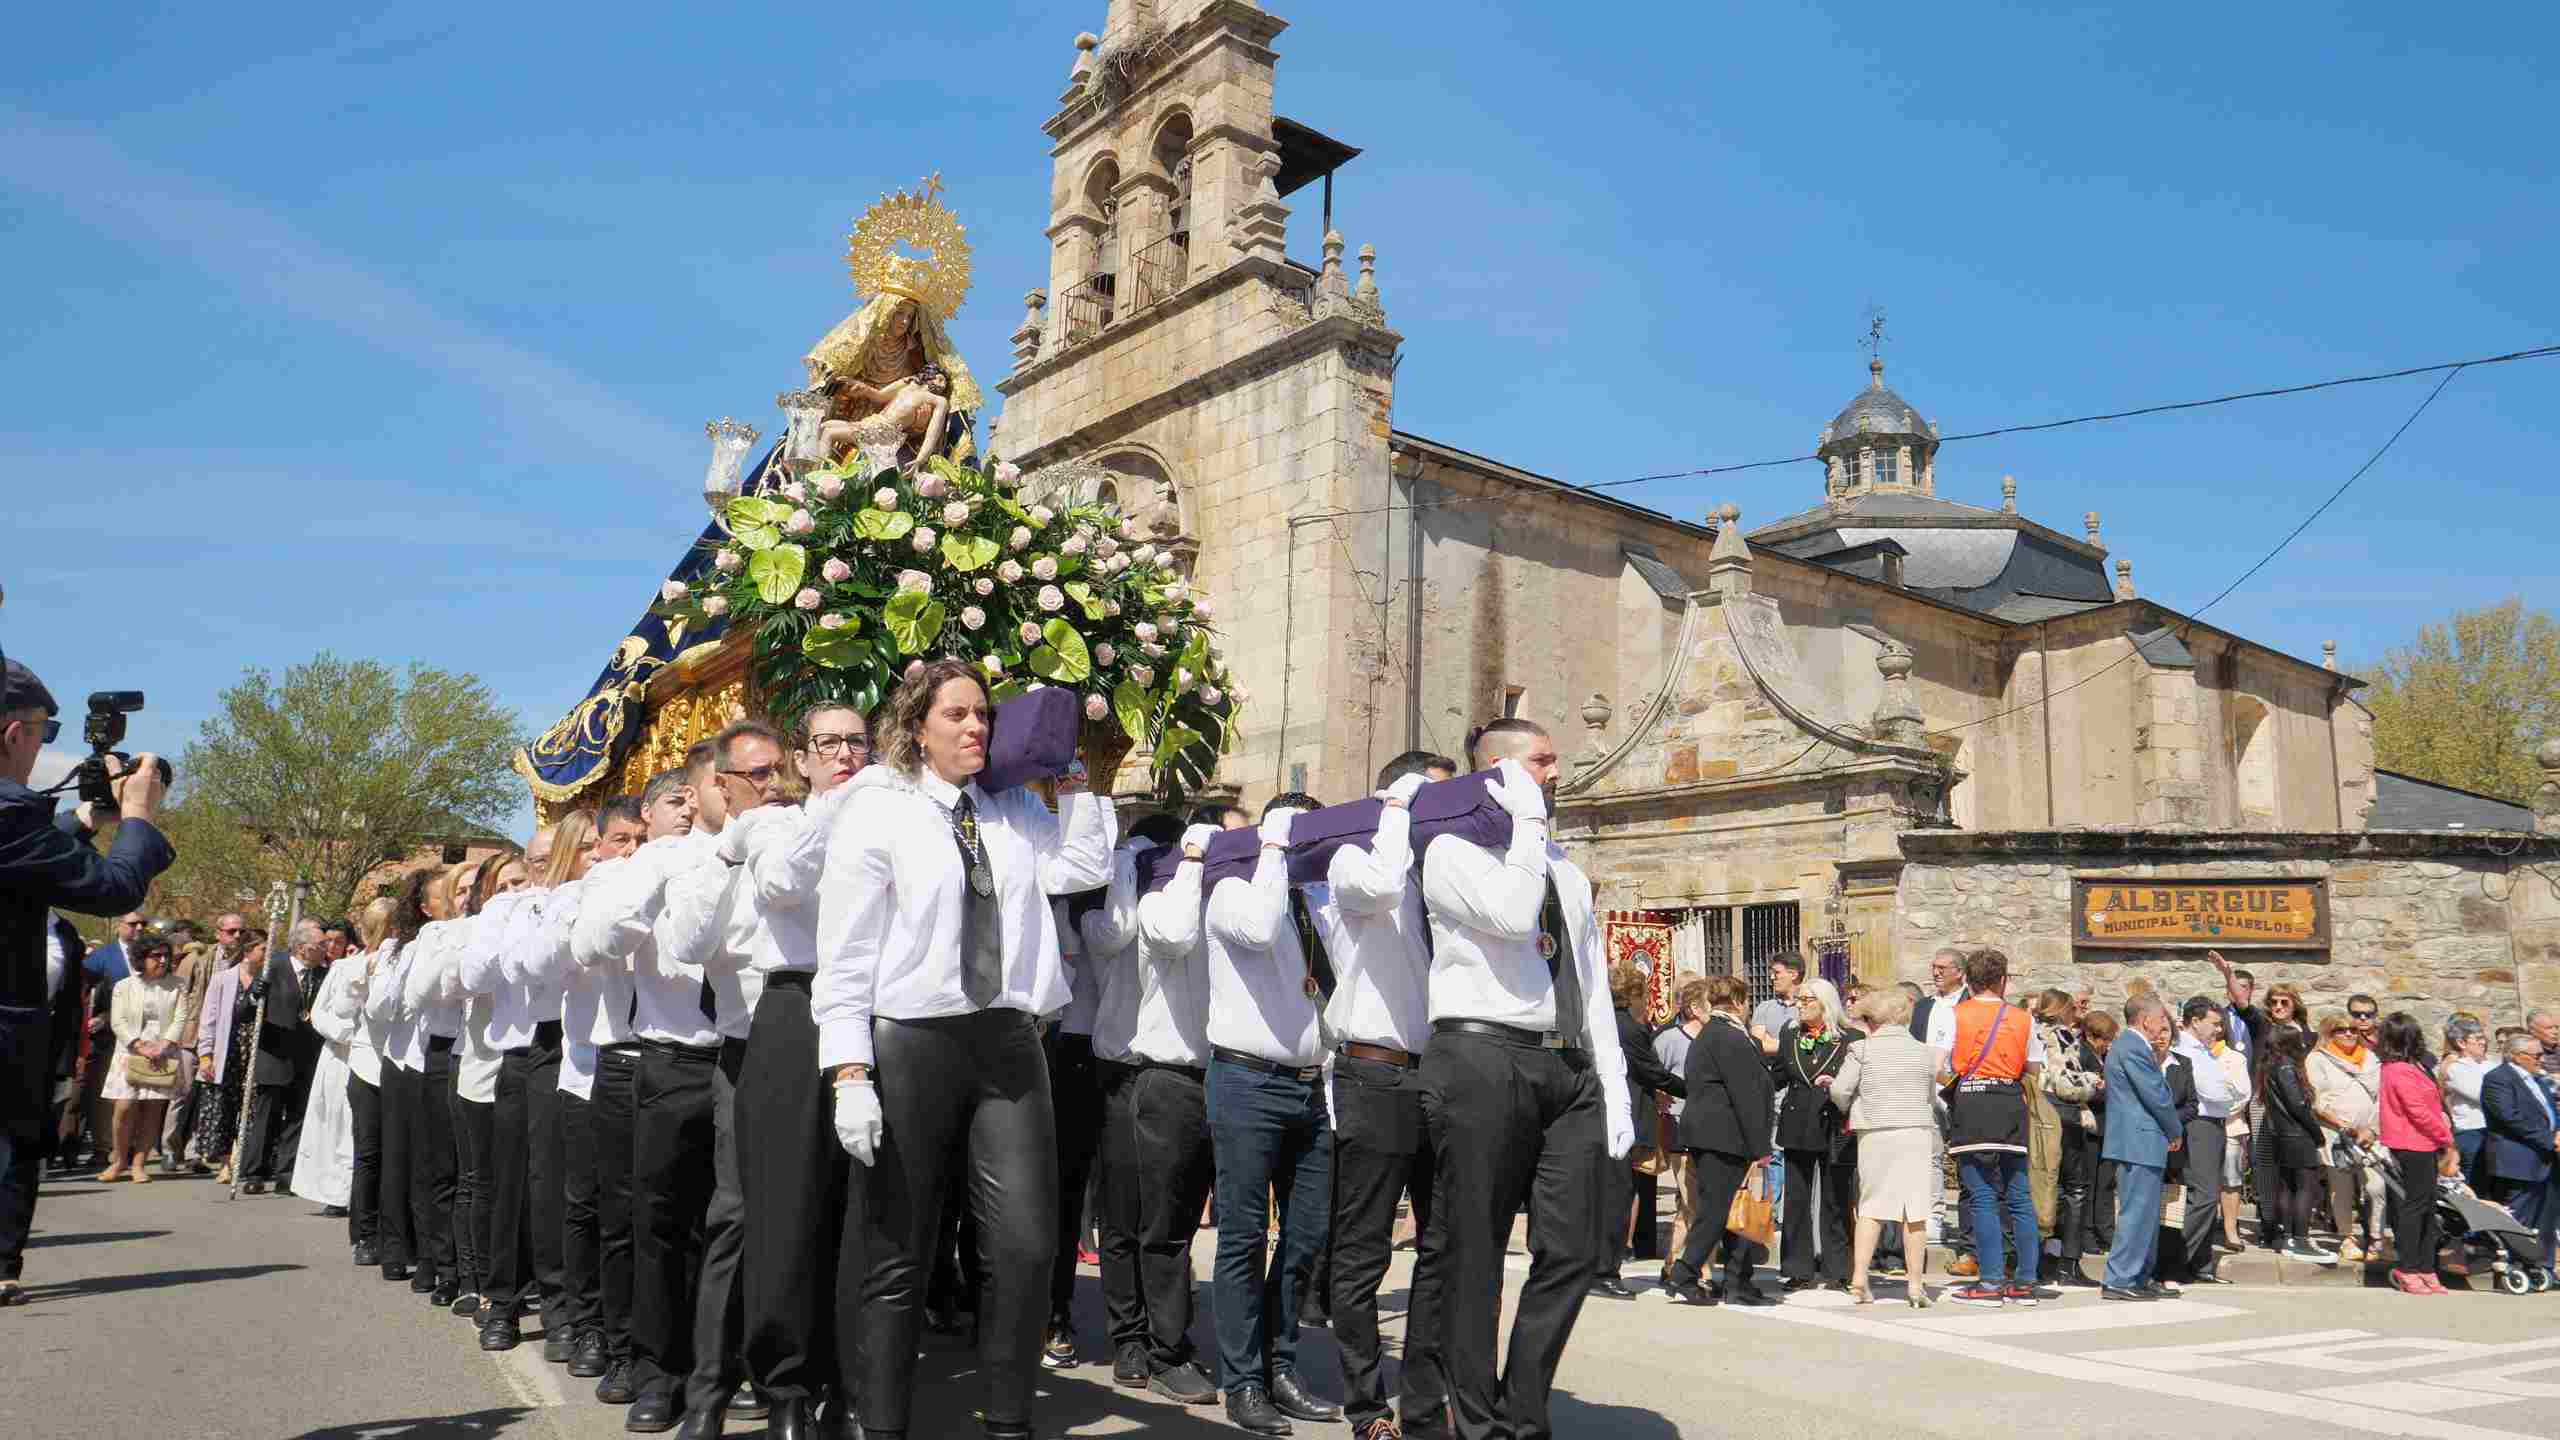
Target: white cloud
51,766
258,252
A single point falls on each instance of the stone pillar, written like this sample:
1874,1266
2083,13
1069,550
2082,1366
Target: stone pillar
2168,752
1261,228
1365,294
1026,339
1729,564
2008,494
1897,717
1866,469
2090,520
2124,579
2546,796
1595,717
1333,292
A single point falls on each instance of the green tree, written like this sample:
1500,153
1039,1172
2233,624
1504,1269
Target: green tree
2467,704
341,767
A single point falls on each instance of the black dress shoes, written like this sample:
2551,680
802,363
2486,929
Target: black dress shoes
749,1403
333,1212
500,1331
443,1296
467,1304
652,1413
701,1424
1687,1292
2110,1292
1291,1397
615,1388
836,1420
558,1345
1249,1406
394,1270
787,1420
366,1256
1748,1295
1129,1367
588,1358
422,1281
1612,1286
1187,1383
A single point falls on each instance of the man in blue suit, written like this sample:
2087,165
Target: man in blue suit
2142,1131
2523,1138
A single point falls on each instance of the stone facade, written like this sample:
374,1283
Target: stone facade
2423,921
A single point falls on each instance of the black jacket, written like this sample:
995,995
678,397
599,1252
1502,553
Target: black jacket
1730,1098
1645,1072
2293,1130
1807,1120
2181,1075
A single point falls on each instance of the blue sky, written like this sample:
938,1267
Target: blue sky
391,330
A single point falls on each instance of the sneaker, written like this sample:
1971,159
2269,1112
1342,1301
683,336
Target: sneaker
1978,1294
1965,1268
2351,1252
2305,1250
1058,1349
1186,1383
2026,1295
1129,1367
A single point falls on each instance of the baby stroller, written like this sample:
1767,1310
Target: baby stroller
2514,1249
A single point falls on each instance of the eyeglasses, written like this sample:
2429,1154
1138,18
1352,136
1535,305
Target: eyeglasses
759,777
831,746
52,731
2363,1014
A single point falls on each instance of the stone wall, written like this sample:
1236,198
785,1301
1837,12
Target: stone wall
2427,922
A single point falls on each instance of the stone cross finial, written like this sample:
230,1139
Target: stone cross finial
2546,796
2124,579
1595,715
1333,252
2008,494
1367,290
1897,717
1083,68
2328,654
1266,167
2091,521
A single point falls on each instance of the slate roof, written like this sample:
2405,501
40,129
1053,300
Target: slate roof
1881,411
2405,802
1666,582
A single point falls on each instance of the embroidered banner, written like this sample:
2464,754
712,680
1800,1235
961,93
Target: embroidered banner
1647,943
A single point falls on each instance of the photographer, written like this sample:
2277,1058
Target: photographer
45,864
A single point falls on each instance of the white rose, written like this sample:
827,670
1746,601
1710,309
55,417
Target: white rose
673,590
727,562
1200,608
1095,707
1042,515
1145,675
992,665
1008,474
801,522
1046,567
930,486
1020,539
1075,545
1128,529
884,498
808,599
1051,598
922,539
955,513
836,571
716,606
973,617
830,486
798,492
1209,695
983,585
831,621
1176,590
1146,633
1111,608
1009,573
1105,653
915,580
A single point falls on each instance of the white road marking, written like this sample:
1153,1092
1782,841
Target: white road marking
2416,1397
526,1374
2065,1319
2220,1354
1968,1345
2361,1357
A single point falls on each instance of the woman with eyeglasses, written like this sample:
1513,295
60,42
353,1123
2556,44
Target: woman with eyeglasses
148,1012
2346,1093
2466,1065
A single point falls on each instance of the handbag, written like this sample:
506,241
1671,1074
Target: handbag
1750,1217
1655,1158
145,1073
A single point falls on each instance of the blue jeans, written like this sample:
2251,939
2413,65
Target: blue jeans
2137,1225
1271,1136
1995,1181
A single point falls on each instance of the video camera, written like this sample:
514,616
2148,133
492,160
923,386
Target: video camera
104,730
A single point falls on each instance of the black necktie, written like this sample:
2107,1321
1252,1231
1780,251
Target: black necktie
981,933
1311,945
1561,967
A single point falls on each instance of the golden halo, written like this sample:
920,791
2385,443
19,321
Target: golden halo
920,223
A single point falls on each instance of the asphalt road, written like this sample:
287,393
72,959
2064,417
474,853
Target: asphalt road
164,1309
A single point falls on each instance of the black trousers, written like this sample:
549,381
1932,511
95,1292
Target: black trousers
1518,1124
1075,1092
673,1137
474,1130
792,1177
2413,1217
1714,1179
718,1303
1169,1127
396,1226
2072,1183
963,1097
2203,1218
581,1265
1382,1153
609,1119
1116,1209
364,1183
546,1152
509,1281
431,1168
1839,1187
267,1151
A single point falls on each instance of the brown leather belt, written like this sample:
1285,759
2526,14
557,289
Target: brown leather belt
1383,1054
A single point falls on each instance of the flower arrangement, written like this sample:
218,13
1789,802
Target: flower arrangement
850,576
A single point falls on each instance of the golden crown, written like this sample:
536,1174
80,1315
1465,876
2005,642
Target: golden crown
917,223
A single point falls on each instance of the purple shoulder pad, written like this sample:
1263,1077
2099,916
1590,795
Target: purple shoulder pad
1033,737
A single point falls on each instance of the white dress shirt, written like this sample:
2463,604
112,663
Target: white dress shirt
890,902
691,932
2462,1079
1371,921
2214,1097
616,920
395,1029
431,992
496,934
1485,963
550,968
1110,935
1258,1000
773,921
1173,974
364,1039
666,991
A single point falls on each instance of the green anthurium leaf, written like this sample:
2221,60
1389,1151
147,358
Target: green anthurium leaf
755,510
1130,704
1007,691
958,476
777,572
1082,593
873,524
914,618
970,552
752,538
1064,660
1171,744
1070,565
1012,507
836,649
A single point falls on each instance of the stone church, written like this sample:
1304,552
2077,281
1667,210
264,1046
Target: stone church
1890,721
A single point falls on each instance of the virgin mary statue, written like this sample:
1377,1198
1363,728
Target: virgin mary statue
888,370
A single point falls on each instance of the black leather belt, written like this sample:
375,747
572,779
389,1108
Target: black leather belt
1141,1062
1988,1087
789,980
439,1044
1382,1054
546,1036
699,1054
1509,1034
1251,1061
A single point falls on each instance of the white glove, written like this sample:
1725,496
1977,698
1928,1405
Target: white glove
737,837
1401,792
1622,1122
1515,792
1195,841
1275,826
858,1119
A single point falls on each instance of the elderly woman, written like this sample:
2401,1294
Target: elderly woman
2063,1150
2467,1063
1725,1129
147,1013
1889,1082
2095,1228
227,1029
1647,1077
2346,1093
1821,1158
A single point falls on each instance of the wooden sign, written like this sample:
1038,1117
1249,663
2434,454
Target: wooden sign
2142,914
